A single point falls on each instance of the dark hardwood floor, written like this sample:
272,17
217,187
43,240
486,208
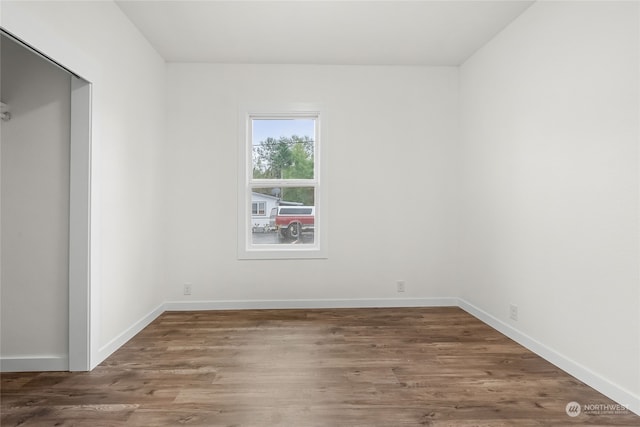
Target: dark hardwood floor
343,367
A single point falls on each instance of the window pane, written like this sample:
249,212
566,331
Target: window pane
291,216
283,148
258,208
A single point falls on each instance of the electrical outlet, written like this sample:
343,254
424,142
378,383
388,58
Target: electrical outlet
400,285
513,312
187,289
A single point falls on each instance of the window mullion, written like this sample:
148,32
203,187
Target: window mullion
253,183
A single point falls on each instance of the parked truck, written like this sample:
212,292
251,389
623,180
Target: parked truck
291,221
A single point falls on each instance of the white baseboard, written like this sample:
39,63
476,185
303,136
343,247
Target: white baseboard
309,303
34,363
108,349
604,386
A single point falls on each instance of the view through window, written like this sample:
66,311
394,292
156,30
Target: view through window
283,180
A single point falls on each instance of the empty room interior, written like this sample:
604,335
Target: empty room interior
442,228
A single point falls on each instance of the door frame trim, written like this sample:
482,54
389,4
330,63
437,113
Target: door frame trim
79,330
80,227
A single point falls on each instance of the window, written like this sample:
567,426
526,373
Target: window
258,208
281,176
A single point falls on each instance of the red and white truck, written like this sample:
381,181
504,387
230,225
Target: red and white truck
292,221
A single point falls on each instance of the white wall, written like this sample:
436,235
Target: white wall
549,113
391,134
99,43
35,207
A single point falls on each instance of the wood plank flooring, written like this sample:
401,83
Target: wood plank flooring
342,367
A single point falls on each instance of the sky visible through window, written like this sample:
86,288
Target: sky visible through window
263,129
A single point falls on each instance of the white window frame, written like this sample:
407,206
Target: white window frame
246,183
264,208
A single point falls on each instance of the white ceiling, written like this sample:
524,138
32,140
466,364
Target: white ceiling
417,32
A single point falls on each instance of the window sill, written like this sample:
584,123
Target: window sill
277,252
